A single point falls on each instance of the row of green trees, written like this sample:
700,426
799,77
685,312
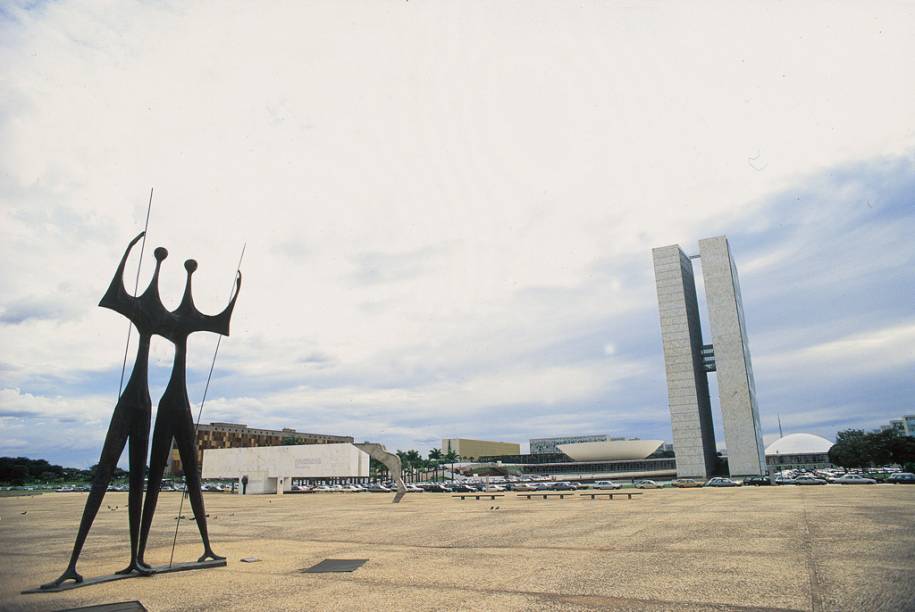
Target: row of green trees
22,470
855,448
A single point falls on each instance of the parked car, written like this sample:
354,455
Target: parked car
784,480
757,481
302,489
686,483
855,479
463,488
720,481
606,484
562,486
808,479
902,478
377,488
646,484
412,488
437,488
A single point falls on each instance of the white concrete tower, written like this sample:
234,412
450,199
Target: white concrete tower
687,382
736,387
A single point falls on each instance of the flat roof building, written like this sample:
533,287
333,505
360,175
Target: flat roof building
472,449
273,469
545,446
236,435
905,426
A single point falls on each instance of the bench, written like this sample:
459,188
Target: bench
477,496
543,495
628,494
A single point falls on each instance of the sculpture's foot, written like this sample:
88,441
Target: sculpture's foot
209,554
70,574
143,570
143,567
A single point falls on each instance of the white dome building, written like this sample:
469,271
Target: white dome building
799,451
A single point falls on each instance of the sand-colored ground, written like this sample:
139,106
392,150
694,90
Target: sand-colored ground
822,548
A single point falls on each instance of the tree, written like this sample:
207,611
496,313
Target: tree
435,459
902,450
856,449
451,457
850,449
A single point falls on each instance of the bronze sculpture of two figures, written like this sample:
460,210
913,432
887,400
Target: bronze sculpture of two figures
131,419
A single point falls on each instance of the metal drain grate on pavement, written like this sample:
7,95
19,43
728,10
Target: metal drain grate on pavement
121,606
335,565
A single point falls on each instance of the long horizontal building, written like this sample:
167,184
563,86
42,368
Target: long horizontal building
588,460
236,435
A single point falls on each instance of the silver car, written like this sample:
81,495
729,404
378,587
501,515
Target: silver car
606,484
854,479
808,480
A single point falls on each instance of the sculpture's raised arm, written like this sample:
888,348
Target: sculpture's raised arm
220,323
193,320
117,298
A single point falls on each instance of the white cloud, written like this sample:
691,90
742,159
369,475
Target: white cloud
430,195
885,349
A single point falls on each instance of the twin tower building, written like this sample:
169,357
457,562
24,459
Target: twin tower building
689,360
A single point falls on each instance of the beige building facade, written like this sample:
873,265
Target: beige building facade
471,450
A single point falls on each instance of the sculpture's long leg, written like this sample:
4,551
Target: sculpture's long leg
158,458
187,447
139,441
118,431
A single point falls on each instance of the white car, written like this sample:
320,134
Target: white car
646,484
854,479
606,484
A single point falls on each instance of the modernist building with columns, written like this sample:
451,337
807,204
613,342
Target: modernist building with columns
689,360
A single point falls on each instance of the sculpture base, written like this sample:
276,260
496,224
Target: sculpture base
157,569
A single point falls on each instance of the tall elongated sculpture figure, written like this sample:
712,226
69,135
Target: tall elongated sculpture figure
174,418
130,420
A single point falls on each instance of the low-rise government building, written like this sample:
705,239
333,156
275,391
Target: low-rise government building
470,450
798,451
588,460
236,435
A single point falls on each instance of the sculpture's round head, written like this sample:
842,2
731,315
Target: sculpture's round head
190,265
161,253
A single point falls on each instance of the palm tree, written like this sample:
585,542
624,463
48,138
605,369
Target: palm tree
452,457
435,459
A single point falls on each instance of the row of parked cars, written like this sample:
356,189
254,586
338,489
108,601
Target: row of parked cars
791,479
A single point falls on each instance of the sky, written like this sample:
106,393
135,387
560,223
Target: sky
448,209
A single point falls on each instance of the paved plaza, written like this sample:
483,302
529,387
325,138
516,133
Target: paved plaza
795,548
